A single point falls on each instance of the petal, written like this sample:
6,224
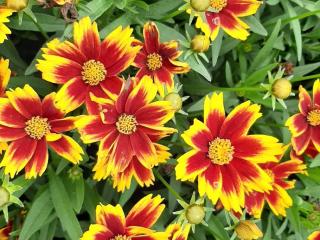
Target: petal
39,161
151,37
243,8
62,62
198,136
211,26
252,176
49,109
111,217
146,212
4,14
240,120
18,155
178,232
300,143
64,124
155,114
8,134
279,200
316,93
112,86
176,67
71,95
257,148
254,204
97,232
297,124
210,183
141,95
305,103
191,164
232,191
214,114
314,236
22,98
170,49
5,74
86,37
143,148
92,129
68,148
140,61
122,153
142,233
143,176
9,116
163,77
315,137
232,25
122,180
117,51
285,169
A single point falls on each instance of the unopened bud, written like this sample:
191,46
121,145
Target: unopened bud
247,230
175,100
4,196
195,214
200,5
281,88
200,43
16,5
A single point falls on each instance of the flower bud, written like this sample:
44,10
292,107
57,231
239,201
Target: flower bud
4,196
200,43
247,230
195,214
175,100
75,173
16,5
281,88
200,5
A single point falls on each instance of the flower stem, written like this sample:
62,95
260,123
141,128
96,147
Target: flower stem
44,34
167,185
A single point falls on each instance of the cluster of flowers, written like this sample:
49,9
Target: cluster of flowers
233,169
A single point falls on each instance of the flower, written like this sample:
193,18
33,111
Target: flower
223,14
247,230
87,65
314,236
31,129
5,231
112,224
5,74
158,60
177,232
128,129
310,152
4,14
200,43
224,157
278,199
16,5
305,126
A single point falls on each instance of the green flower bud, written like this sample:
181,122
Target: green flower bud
195,214
175,100
281,88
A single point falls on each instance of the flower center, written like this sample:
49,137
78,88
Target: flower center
314,118
93,72
37,127
154,61
220,151
126,124
270,173
121,237
218,5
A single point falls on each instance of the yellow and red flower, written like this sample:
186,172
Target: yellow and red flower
158,60
224,157
224,14
177,232
112,224
305,126
311,152
5,231
87,65
30,130
128,129
4,30
5,74
278,199
314,236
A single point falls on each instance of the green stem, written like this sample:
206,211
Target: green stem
167,185
44,34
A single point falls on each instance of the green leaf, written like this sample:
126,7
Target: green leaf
256,26
76,192
198,67
315,162
63,206
259,75
126,195
216,229
38,214
216,47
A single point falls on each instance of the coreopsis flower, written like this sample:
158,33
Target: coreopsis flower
4,14
305,126
248,230
224,157
278,199
31,126
310,152
314,236
128,129
87,65
177,232
215,14
5,231
112,224
5,74
158,60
